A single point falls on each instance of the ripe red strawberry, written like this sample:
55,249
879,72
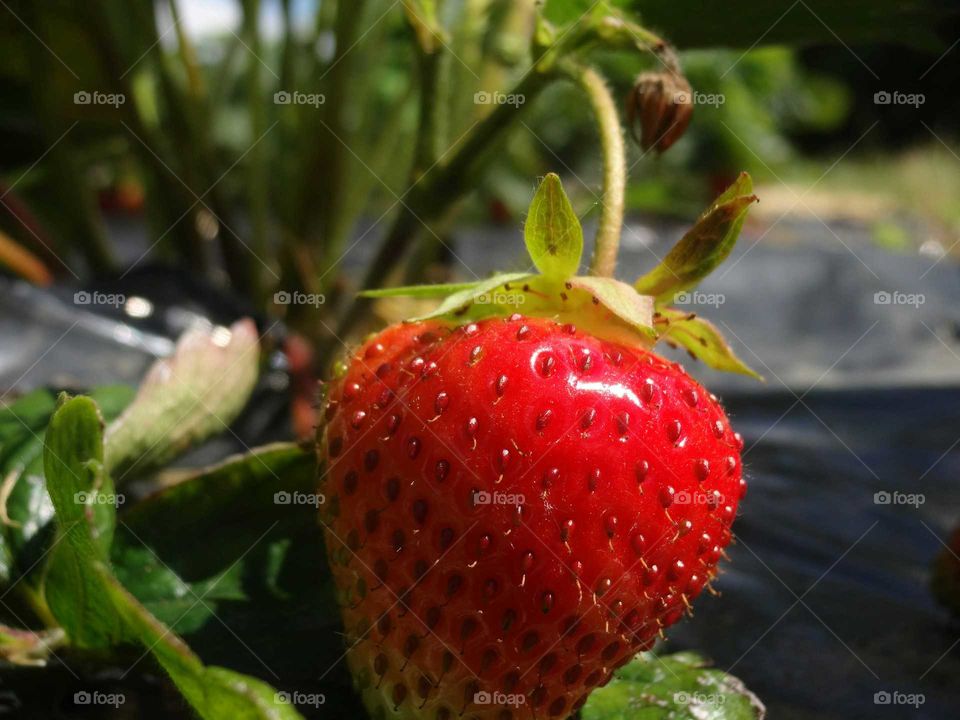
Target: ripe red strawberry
515,505
626,478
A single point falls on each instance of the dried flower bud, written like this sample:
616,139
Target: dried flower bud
659,107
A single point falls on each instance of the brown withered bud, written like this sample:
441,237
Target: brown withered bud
659,108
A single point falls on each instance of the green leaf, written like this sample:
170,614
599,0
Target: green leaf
82,495
552,232
268,562
703,247
185,399
243,498
215,693
701,339
672,687
26,508
93,607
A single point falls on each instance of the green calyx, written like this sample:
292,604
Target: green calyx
637,315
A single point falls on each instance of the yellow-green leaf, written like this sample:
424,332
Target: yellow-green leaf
552,232
620,299
703,247
701,339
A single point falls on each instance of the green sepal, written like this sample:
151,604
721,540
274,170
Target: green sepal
703,247
701,339
621,300
483,293
605,307
552,232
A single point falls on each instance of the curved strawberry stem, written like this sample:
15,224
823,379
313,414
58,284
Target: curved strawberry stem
607,242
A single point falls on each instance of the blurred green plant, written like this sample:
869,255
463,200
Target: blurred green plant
260,159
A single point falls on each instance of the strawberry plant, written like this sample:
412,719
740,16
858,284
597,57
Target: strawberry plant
516,495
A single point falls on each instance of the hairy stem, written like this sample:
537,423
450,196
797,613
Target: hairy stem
604,110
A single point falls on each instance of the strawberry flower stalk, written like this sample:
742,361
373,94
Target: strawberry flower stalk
522,495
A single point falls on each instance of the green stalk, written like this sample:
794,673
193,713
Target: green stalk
323,181
257,189
289,47
604,110
188,55
77,217
428,136
167,197
433,194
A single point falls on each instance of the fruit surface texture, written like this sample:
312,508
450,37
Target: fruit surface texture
514,508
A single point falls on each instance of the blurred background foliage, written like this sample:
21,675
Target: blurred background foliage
200,167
